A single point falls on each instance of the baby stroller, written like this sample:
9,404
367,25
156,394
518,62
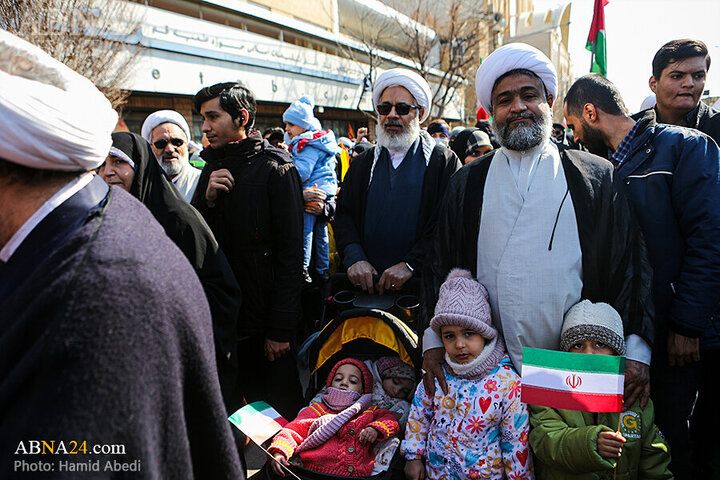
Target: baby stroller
366,334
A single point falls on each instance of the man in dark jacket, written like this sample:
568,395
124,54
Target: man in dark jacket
680,69
386,206
672,176
103,342
250,195
541,226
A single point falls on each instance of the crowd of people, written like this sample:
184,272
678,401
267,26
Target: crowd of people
143,300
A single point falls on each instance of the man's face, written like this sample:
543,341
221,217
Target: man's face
585,133
521,112
393,123
680,85
170,147
219,127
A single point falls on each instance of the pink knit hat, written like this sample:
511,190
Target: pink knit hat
367,377
393,367
463,301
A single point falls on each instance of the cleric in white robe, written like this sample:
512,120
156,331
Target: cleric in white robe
539,225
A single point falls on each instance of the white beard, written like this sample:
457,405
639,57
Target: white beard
524,138
401,141
173,169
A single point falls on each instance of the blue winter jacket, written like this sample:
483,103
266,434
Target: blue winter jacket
672,175
313,154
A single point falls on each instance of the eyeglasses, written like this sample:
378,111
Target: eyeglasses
161,144
401,108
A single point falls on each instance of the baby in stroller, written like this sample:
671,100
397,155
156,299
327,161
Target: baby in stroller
336,435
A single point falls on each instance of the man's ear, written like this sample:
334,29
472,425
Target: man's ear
242,120
421,113
550,100
590,113
653,84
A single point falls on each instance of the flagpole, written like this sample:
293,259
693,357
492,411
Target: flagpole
618,431
280,463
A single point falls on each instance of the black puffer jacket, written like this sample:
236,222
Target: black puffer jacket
702,117
259,226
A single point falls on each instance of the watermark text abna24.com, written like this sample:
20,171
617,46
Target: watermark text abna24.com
69,447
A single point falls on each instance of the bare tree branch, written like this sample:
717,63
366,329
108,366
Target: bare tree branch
86,35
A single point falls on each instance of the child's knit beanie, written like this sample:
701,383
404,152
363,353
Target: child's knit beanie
463,301
367,377
300,113
393,367
596,322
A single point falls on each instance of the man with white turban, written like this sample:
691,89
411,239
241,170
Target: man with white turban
389,196
100,342
540,226
168,134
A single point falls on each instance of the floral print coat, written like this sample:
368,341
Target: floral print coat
479,430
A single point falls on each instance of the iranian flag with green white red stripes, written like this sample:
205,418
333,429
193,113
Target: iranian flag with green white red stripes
573,381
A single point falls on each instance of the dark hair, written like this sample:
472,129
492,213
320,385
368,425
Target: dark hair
274,134
519,71
16,173
598,90
234,97
677,50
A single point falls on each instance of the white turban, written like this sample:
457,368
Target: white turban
511,57
51,118
164,116
401,77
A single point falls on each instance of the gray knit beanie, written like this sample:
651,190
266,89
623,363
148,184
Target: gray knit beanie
596,322
463,301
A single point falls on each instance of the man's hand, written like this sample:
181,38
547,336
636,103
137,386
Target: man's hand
220,181
313,194
637,383
609,444
368,435
314,199
275,350
361,274
414,470
276,468
432,364
394,277
682,350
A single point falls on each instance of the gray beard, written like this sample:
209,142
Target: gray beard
173,169
524,138
401,141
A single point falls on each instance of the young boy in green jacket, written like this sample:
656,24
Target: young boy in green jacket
570,444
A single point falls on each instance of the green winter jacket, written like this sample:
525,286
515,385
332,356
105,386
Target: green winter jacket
564,443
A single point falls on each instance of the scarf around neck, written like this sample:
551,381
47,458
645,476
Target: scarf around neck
481,365
323,428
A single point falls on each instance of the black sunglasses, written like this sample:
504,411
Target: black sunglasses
161,144
401,108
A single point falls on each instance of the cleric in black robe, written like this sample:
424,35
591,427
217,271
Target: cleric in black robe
186,227
103,353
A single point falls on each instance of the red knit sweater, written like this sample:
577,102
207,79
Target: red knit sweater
342,454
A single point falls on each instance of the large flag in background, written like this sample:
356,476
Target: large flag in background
596,39
574,381
259,421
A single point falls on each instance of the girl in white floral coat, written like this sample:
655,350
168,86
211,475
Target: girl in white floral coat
479,430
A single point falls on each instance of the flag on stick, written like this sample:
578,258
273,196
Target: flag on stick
596,39
258,420
573,381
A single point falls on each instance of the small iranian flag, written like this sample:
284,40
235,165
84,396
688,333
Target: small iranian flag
574,381
596,39
259,421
